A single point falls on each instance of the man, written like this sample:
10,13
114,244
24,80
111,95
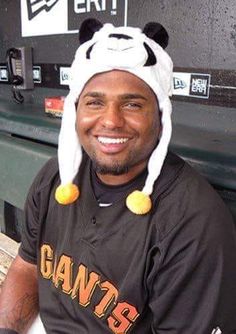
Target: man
135,241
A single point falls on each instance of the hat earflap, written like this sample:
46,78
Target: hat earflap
139,202
69,154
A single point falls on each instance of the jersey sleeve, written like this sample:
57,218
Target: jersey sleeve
193,291
35,206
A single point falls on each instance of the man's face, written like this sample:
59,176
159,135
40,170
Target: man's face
118,123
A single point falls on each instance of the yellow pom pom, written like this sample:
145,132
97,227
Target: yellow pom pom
67,194
138,202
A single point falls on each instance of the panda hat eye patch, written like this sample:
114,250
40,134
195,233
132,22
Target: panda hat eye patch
118,36
151,56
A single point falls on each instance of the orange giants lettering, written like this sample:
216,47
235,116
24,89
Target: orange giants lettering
63,274
122,318
46,267
60,272
110,296
84,286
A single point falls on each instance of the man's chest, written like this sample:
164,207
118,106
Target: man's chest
96,263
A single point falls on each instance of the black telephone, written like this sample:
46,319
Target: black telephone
14,66
20,69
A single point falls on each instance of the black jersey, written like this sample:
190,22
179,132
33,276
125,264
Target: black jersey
107,270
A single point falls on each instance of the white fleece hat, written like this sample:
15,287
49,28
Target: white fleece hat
105,48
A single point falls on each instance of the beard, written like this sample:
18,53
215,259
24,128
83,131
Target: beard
115,168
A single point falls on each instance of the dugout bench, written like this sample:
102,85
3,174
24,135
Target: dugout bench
203,135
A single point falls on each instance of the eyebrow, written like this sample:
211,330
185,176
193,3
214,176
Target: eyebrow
127,96
131,96
94,94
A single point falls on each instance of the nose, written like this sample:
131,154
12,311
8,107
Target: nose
112,117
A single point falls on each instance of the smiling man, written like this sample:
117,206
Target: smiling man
121,236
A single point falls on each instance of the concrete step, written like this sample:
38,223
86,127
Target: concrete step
8,251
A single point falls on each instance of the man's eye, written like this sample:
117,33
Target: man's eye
94,103
133,106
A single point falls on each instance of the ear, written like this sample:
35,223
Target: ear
157,32
88,28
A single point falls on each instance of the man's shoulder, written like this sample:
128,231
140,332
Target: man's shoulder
172,169
189,200
51,165
48,172
184,182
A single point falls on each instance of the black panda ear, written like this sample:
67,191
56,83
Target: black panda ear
88,28
157,32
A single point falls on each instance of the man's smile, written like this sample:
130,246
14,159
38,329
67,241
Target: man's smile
109,140
112,145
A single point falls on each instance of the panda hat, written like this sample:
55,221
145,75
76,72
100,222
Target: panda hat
104,48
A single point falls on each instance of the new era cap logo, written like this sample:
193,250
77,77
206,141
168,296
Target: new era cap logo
179,84
37,6
216,331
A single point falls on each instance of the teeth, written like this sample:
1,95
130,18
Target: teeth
106,140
